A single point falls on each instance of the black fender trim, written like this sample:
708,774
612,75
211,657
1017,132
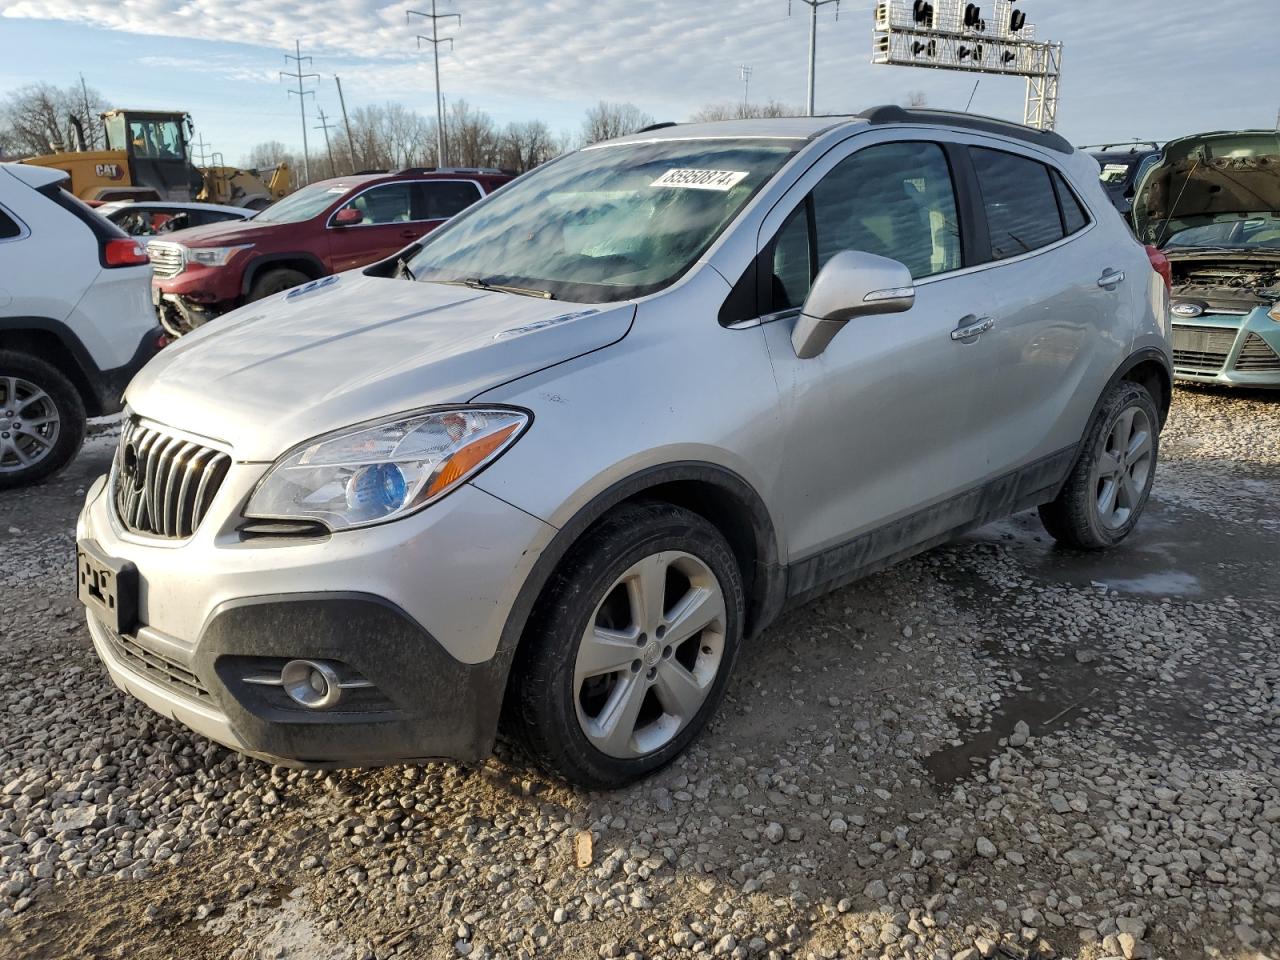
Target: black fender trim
100,390
767,586
258,264
1145,355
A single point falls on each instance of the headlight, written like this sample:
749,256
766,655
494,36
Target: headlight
382,471
214,256
1274,313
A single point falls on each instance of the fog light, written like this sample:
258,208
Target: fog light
310,683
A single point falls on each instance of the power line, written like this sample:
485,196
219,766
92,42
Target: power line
813,42
435,40
326,127
302,100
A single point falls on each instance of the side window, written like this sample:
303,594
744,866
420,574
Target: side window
8,227
895,200
1074,218
389,203
1018,195
445,199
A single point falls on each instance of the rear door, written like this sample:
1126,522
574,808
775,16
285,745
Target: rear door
879,452
388,221
1054,342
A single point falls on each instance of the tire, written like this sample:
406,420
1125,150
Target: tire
37,390
274,281
562,686
1105,494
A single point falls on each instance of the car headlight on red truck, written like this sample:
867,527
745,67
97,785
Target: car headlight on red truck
214,256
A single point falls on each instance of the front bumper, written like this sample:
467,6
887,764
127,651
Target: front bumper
414,607
1236,350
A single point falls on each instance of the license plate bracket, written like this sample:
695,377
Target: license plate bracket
107,586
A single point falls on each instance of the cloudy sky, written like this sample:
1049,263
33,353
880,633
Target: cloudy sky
1141,68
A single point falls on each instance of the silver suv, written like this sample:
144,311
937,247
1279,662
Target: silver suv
550,466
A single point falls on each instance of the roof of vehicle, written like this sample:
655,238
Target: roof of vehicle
409,173
111,206
35,176
807,128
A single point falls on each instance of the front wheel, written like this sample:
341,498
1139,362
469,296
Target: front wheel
1108,488
630,647
274,281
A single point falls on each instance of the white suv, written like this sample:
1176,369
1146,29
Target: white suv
76,321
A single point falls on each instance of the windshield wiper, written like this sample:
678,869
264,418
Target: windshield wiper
479,283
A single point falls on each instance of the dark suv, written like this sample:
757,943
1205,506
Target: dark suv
324,228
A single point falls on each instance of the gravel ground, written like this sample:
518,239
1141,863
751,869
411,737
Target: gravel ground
997,749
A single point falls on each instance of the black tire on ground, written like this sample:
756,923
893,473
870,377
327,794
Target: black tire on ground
70,412
1074,518
273,281
540,706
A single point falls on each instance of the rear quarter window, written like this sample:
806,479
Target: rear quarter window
1020,202
9,227
1074,216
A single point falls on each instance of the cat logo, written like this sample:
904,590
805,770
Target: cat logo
109,170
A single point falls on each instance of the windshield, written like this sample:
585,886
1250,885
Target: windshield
302,204
1252,232
156,140
607,223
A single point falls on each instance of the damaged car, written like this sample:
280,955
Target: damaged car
1212,205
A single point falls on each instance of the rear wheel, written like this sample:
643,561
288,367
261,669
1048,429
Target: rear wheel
42,419
273,281
1107,490
630,647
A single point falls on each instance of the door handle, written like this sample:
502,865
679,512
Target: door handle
409,234
971,327
1111,278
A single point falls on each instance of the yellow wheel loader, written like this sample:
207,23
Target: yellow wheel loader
148,157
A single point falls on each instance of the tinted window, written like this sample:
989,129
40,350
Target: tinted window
1073,216
792,262
8,227
1022,211
895,201
443,200
386,204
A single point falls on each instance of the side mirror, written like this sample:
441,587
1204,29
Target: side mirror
852,284
347,217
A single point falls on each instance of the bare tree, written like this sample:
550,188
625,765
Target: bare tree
36,119
471,138
739,111
607,120
525,145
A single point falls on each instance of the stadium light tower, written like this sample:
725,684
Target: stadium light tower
991,38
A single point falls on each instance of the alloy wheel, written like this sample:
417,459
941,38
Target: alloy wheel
1124,467
650,654
29,424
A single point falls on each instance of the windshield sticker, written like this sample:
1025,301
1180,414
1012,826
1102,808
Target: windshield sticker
701,179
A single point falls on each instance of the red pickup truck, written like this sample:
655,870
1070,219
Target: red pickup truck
326,227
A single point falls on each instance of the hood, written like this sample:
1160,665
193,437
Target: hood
350,348
1205,177
226,233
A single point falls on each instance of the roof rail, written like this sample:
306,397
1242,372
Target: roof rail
891,113
494,171
657,126
1133,145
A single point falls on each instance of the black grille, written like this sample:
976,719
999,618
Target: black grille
163,484
1204,349
1257,356
155,666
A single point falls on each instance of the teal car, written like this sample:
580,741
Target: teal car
1211,203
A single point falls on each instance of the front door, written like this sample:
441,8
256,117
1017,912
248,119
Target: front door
879,451
386,223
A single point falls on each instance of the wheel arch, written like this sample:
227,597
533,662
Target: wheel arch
716,493
53,342
1150,369
301,261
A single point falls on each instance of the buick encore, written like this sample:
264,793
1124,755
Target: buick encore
545,470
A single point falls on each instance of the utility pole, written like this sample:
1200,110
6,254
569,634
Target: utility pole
201,149
351,141
744,74
813,43
435,40
326,126
93,137
298,58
